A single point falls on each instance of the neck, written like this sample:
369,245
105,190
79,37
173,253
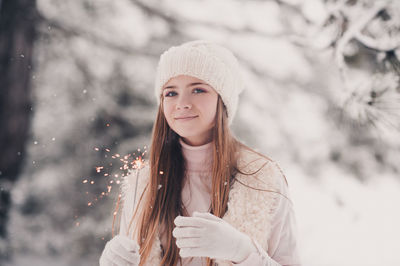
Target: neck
198,158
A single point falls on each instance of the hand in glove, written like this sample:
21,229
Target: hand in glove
120,251
206,235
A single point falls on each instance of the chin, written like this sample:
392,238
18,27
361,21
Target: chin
183,135
185,132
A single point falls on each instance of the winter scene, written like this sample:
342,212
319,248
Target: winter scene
317,91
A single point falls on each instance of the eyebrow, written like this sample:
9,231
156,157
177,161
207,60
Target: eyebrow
191,84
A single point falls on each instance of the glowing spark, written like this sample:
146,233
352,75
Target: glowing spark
161,172
159,186
138,163
128,162
98,168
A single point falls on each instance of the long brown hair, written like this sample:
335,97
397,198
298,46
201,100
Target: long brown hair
167,168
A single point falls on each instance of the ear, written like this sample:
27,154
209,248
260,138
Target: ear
206,215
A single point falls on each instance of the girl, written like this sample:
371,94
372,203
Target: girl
204,198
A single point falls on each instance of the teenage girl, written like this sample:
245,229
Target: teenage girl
204,198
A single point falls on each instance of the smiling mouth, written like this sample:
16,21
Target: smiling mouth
185,118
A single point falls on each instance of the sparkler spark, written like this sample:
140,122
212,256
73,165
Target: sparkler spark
126,162
138,164
99,168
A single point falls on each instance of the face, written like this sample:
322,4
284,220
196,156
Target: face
190,105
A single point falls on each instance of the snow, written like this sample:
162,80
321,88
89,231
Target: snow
343,221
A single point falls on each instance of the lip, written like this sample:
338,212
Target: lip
185,118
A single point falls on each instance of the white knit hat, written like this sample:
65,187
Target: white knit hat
205,60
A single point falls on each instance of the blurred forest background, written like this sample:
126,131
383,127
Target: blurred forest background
322,99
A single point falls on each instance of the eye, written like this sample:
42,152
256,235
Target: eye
170,94
199,90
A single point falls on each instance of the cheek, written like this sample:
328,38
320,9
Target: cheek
167,109
210,108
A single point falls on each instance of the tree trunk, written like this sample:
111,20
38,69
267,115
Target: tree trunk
17,33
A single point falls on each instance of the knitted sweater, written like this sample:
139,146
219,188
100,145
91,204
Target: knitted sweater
267,217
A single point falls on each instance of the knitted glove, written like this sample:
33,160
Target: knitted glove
120,251
206,235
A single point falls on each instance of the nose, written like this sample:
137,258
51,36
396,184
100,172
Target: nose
183,102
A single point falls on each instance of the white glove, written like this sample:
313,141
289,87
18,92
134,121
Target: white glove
120,251
206,235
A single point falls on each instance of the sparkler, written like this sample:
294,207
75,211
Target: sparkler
127,163
138,165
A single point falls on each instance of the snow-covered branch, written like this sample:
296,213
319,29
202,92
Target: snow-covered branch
353,31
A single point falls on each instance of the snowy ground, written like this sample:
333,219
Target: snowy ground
344,222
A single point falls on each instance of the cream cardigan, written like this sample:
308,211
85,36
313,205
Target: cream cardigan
249,210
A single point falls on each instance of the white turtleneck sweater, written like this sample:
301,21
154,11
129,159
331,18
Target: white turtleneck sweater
196,193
